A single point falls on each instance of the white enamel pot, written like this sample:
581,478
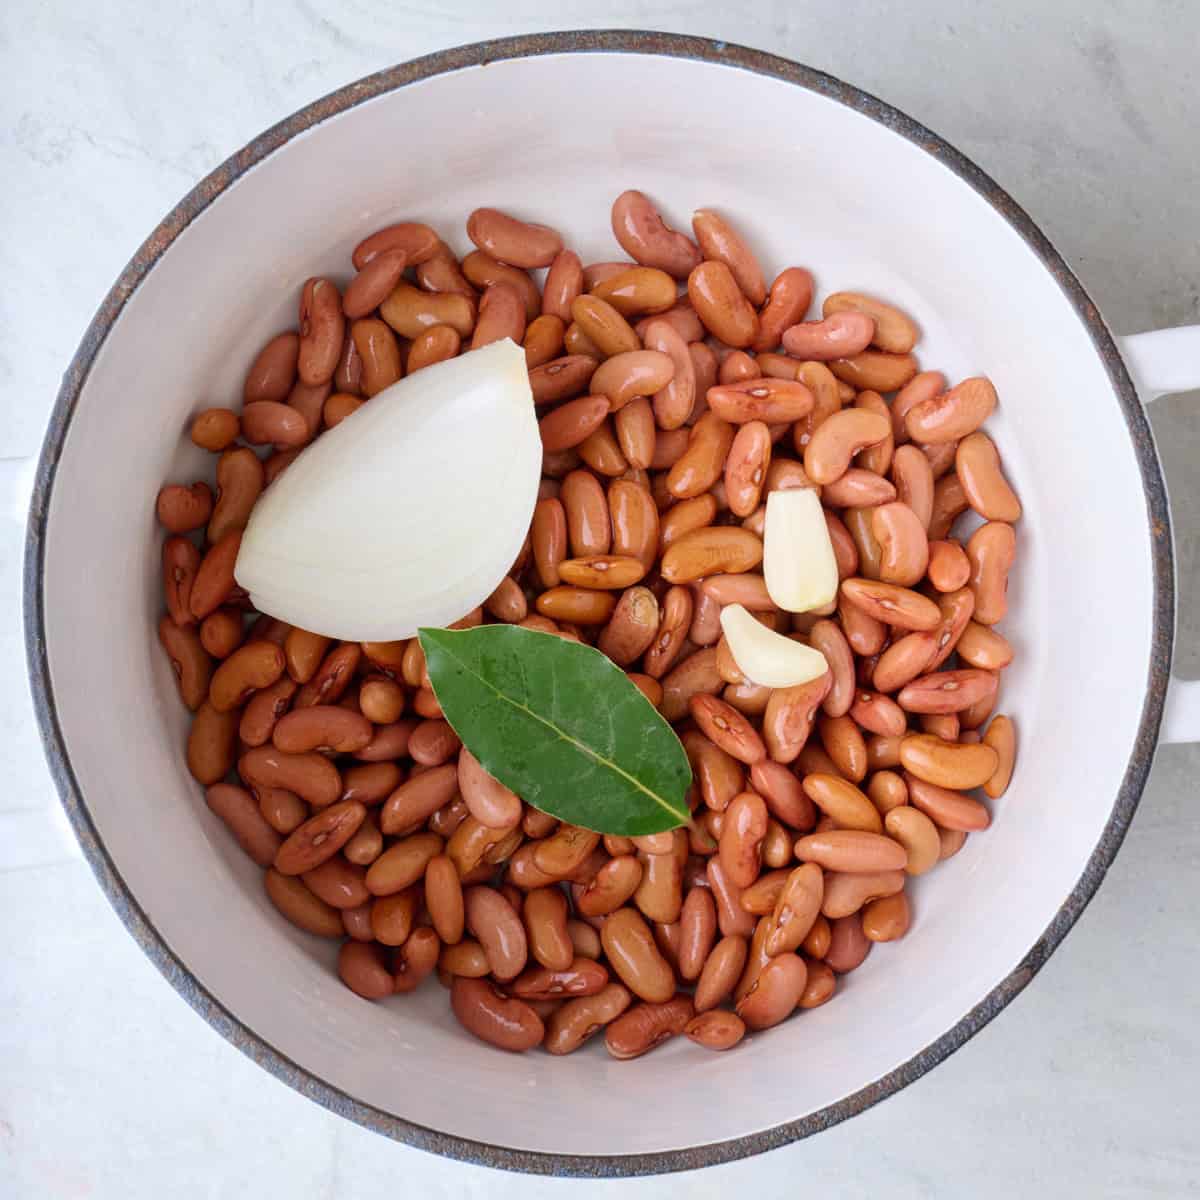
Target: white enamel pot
554,127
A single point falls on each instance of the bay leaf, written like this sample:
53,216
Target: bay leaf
562,726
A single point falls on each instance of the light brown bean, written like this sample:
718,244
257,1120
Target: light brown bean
852,850
1002,737
838,335
709,551
886,918
501,315
790,715
319,838
675,400
272,373
742,834
847,893
589,526
544,913
990,551
488,800
776,992
702,463
378,350
647,1025
891,604
633,955
947,807
903,545
838,438
846,804
952,415
721,305
413,802
215,429
500,1020
726,728
564,281
237,809
895,332
746,467
720,242
774,401
947,764
493,922
918,835
796,909
646,238
875,370
298,905
519,243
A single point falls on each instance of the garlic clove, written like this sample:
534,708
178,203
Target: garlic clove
765,657
799,566
409,512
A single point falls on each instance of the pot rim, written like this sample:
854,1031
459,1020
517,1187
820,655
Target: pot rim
139,923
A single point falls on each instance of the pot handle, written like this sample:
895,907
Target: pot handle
1162,362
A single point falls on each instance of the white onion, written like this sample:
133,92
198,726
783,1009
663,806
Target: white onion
765,657
409,512
799,566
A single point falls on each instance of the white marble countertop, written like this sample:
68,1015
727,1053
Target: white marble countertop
109,1085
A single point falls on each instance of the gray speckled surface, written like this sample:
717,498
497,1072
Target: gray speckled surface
1087,116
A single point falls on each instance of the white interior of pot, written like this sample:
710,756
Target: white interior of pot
555,139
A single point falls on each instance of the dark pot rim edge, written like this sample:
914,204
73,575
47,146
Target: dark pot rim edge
139,924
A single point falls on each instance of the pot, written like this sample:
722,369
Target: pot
553,127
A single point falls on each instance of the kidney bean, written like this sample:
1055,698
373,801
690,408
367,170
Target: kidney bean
299,906
647,1025
838,438
284,811
183,509
211,744
189,660
886,918
775,993
716,1030
887,790
947,807
659,895
418,242
841,800
720,304
362,969
702,463
711,550
637,290
645,237
789,717
320,837
493,1017
852,850
633,955
338,882
837,335
947,764
848,893
843,742
273,371
215,429
213,582
237,809
894,331
875,370
221,632
990,551
255,665
952,415
726,728
367,843
848,945
331,679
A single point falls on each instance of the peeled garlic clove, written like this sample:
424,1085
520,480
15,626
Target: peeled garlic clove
407,513
765,657
798,561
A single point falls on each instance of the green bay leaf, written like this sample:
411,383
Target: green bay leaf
562,726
